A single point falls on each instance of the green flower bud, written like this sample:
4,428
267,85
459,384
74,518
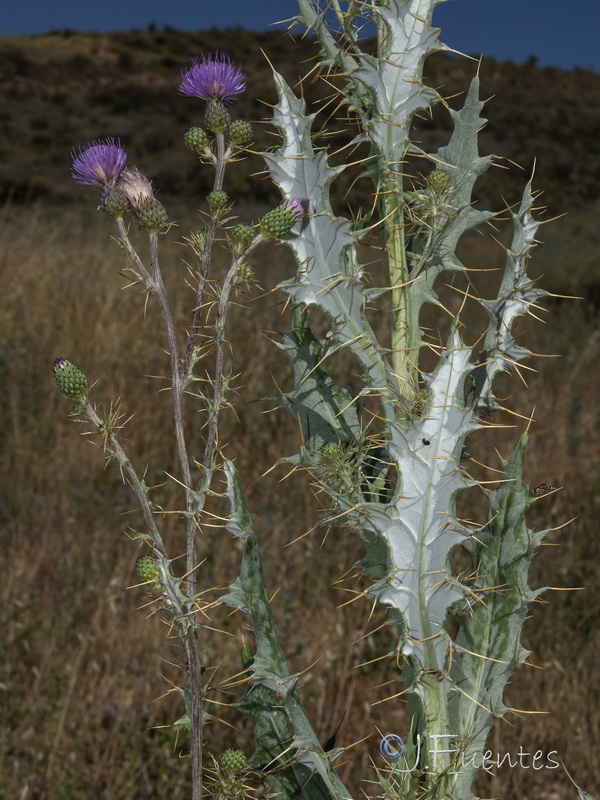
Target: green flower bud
147,569
233,761
114,204
243,234
151,216
244,273
332,450
71,380
278,222
217,116
438,181
217,201
240,131
196,139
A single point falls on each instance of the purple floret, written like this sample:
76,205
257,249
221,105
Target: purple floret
59,363
296,206
215,76
99,163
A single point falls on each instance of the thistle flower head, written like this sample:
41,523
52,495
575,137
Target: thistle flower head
135,187
147,569
213,77
143,205
233,761
99,163
279,222
70,379
114,204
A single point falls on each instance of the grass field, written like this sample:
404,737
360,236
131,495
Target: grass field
85,673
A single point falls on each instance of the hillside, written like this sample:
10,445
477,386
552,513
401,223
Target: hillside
65,88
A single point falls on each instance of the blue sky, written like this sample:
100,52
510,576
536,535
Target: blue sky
559,33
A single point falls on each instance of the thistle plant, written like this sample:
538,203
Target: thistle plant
390,453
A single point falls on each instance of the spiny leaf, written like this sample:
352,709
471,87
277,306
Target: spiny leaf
288,751
419,527
325,411
488,647
328,274
516,295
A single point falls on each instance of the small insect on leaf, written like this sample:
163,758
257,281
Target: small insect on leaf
542,489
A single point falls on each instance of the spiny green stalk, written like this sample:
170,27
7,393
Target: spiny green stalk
390,193
404,348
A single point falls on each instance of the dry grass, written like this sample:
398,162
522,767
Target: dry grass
81,668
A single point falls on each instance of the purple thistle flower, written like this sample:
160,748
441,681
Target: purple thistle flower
99,163
215,76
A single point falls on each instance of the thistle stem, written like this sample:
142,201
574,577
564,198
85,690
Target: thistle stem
177,387
220,162
392,214
191,642
220,323
127,467
132,254
195,673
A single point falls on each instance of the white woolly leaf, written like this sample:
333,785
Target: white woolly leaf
395,80
516,295
327,275
419,528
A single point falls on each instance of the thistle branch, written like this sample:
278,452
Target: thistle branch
126,467
177,388
220,162
220,325
187,627
155,282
